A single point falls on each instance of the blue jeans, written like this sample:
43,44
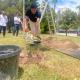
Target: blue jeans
16,29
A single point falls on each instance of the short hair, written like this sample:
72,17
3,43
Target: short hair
34,5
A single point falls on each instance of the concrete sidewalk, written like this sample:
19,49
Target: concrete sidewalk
69,34
71,52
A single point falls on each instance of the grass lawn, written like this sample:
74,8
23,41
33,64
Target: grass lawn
55,66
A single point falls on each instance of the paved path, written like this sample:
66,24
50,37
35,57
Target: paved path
71,52
69,34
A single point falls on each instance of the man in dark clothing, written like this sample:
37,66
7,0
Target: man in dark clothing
33,19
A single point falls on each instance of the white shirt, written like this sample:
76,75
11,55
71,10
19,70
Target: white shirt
3,20
17,20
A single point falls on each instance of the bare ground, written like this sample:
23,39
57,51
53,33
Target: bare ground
51,43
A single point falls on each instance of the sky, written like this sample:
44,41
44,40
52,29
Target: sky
72,4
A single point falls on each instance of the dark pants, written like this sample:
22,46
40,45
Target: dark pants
16,29
3,29
0,29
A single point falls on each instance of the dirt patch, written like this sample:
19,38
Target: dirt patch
60,44
30,58
51,43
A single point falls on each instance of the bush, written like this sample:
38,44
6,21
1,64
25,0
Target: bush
44,26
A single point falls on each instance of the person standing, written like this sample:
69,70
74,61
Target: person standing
17,22
0,22
3,23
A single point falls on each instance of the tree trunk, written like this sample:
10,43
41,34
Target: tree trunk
66,32
77,32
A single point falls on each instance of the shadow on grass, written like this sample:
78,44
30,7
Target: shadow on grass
20,72
44,48
38,47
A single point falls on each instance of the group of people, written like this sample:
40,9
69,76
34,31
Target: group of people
4,23
32,23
